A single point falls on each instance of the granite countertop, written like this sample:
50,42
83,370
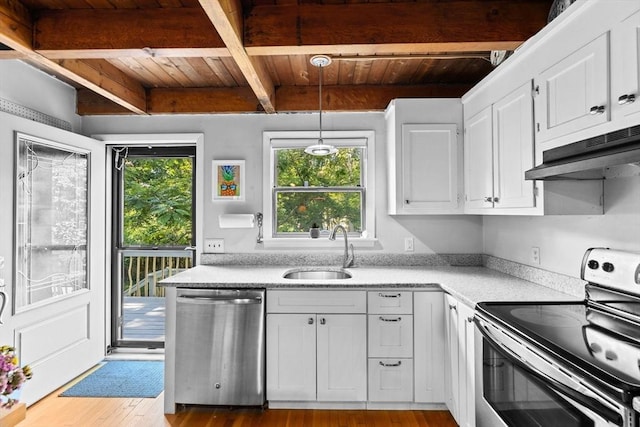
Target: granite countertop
470,285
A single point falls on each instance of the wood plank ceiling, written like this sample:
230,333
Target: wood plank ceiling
247,56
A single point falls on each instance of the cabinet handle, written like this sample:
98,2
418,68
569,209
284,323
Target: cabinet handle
627,99
453,307
406,202
323,320
488,199
310,321
391,365
536,91
496,199
597,109
470,319
397,319
381,295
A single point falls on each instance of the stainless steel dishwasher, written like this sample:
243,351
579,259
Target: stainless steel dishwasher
220,350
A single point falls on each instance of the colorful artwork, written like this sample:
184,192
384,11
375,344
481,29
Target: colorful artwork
228,177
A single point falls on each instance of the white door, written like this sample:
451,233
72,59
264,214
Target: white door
478,160
625,67
513,149
291,357
574,93
55,319
429,167
342,357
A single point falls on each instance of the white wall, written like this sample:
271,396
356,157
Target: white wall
32,88
564,239
239,136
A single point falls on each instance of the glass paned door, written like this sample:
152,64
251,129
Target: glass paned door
153,238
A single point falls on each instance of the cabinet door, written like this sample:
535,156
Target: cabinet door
429,343
625,67
342,357
573,93
478,160
452,356
291,357
429,168
466,369
513,149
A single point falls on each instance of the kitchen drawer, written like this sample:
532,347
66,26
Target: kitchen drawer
314,301
390,302
390,335
390,380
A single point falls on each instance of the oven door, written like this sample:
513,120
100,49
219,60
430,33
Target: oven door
518,387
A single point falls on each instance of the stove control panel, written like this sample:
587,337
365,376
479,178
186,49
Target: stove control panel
612,268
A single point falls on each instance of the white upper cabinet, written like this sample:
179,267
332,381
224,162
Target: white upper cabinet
573,94
625,68
513,149
498,150
425,156
478,160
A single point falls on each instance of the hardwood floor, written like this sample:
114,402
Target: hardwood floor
54,411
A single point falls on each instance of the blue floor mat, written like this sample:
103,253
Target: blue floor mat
121,378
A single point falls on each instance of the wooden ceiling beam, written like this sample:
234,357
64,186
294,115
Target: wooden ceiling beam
360,97
16,31
403,27
226,16
147,30
289,98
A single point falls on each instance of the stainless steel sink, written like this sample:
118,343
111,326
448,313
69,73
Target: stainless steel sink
317,274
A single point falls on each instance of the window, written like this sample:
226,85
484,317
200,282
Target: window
307,190
51,220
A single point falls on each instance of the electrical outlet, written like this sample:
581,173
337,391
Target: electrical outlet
408,244
214,246
535,255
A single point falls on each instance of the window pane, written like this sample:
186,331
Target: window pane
294,168
157,201
297,211
51,221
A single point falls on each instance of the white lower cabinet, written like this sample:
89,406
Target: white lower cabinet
378,346
459,361
316,356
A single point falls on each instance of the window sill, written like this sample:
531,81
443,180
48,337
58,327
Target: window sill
321,243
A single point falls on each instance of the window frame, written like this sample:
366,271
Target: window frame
274,140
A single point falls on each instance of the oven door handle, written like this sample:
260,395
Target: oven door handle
559,380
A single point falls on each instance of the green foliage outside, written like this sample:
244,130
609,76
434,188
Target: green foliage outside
157,202
298,210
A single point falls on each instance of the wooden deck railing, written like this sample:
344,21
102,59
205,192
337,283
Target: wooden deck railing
142,272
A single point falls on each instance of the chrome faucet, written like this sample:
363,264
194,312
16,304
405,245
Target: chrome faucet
348,259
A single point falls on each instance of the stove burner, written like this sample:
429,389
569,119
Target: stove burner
548,316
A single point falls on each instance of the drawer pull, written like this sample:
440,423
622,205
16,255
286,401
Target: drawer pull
381,295
397,319
627,99
391,365
598,109
310,321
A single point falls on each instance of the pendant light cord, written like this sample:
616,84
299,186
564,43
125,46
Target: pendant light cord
320,99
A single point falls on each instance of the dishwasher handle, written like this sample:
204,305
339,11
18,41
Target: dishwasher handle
197,299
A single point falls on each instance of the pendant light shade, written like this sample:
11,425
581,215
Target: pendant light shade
320,149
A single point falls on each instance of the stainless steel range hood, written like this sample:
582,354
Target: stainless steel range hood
589,158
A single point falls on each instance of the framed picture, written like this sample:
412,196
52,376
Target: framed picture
228,180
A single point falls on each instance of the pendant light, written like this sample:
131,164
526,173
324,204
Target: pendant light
320,148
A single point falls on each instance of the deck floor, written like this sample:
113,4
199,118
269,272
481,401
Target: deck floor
143,319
